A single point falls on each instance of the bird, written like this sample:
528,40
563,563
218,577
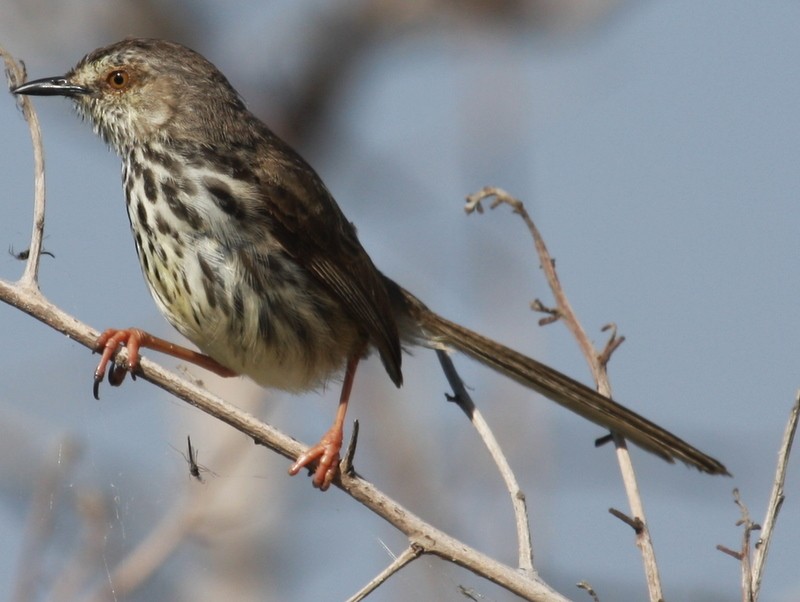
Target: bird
248,255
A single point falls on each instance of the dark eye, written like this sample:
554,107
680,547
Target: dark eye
118,79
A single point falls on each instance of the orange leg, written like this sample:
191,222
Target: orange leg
326,452
134,339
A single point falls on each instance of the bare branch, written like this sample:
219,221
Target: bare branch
775,499
597,364
744,554
15,74
346,465
463,399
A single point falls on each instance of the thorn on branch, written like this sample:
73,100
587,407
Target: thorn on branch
465,404
346,465
729,552
605,439
634,523
554,315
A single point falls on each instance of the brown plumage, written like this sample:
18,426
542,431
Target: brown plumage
249,256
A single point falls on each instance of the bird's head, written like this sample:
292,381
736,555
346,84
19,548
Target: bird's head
141,90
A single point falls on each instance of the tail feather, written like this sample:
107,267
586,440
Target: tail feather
562,389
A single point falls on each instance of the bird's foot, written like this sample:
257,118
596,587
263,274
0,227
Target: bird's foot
326,455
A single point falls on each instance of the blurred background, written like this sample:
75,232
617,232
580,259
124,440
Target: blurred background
656,144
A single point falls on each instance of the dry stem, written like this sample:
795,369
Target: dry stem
597,364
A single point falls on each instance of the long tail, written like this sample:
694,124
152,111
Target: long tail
560,388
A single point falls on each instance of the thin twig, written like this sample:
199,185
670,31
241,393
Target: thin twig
463,399
744,554
775,499
410,554
732,553
563,307
612,344
597,365
634,523
15,74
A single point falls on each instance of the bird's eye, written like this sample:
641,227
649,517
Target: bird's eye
118,79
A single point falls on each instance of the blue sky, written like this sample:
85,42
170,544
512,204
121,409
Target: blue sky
658,153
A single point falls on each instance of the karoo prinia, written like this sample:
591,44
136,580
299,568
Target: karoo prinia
248,255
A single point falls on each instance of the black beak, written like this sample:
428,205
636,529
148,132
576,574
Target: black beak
50,86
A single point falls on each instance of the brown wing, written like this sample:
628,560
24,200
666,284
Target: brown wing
312,228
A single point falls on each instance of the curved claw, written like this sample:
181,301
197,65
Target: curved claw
108,343
98,378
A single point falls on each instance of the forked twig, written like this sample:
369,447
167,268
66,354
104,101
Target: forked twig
775,499
752,563
408,555
597,365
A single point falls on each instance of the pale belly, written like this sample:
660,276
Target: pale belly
247,306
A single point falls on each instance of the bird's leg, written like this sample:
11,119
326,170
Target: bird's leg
134,339
326,452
